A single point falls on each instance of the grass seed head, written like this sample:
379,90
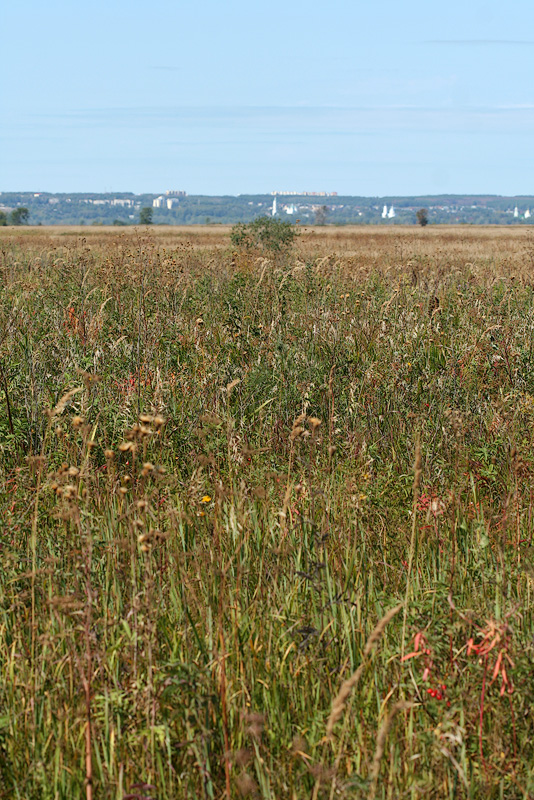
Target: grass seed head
255,724
127,447
246,785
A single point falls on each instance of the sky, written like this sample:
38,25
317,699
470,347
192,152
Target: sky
233,97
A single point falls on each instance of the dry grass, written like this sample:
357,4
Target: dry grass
209,504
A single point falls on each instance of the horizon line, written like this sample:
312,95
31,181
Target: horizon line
274,193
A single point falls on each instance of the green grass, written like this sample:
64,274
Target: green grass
193,565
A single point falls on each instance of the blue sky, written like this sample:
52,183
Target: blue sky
375,98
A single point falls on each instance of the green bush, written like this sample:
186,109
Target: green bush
264,233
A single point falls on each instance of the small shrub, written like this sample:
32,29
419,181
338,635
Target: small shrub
422,217
264,233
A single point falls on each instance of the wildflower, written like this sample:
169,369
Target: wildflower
497,638
127,446
206,499
421,648
423,502
437,507
69,492
296,432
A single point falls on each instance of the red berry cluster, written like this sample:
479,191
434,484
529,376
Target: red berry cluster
439,693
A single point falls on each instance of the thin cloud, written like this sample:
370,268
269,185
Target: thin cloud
196,127
524,42
222,112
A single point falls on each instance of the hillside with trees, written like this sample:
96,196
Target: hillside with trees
44,208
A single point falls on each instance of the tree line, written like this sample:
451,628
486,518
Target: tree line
19,216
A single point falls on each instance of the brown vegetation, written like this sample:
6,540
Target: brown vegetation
267,524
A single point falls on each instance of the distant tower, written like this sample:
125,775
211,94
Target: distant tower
516,212
273,212
527,213
391,213
384,212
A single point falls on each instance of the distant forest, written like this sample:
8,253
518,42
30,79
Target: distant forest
176,208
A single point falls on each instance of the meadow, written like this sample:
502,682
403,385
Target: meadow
267,517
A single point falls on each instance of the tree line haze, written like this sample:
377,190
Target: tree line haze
178,208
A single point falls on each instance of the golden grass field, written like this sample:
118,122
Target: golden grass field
340,239
267,516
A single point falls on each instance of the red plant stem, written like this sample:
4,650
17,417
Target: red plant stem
482,695
87,681
88,757
513,726
8,403
225,718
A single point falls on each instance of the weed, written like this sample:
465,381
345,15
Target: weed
267,515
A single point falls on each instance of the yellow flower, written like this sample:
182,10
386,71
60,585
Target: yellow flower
206,499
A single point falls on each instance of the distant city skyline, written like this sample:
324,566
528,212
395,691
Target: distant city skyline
386,99
175,207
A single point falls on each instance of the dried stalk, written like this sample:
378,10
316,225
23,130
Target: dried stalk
383,731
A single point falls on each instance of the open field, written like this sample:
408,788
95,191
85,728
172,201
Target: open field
267,520
485,241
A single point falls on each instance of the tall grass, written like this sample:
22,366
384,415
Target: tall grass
229,486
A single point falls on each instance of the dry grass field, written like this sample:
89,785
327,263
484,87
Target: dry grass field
267,517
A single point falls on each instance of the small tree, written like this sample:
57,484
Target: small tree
20,216
3,218
321,215
264,233
145,216
422,217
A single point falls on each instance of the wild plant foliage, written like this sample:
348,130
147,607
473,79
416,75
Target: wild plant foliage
266,520
268,234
